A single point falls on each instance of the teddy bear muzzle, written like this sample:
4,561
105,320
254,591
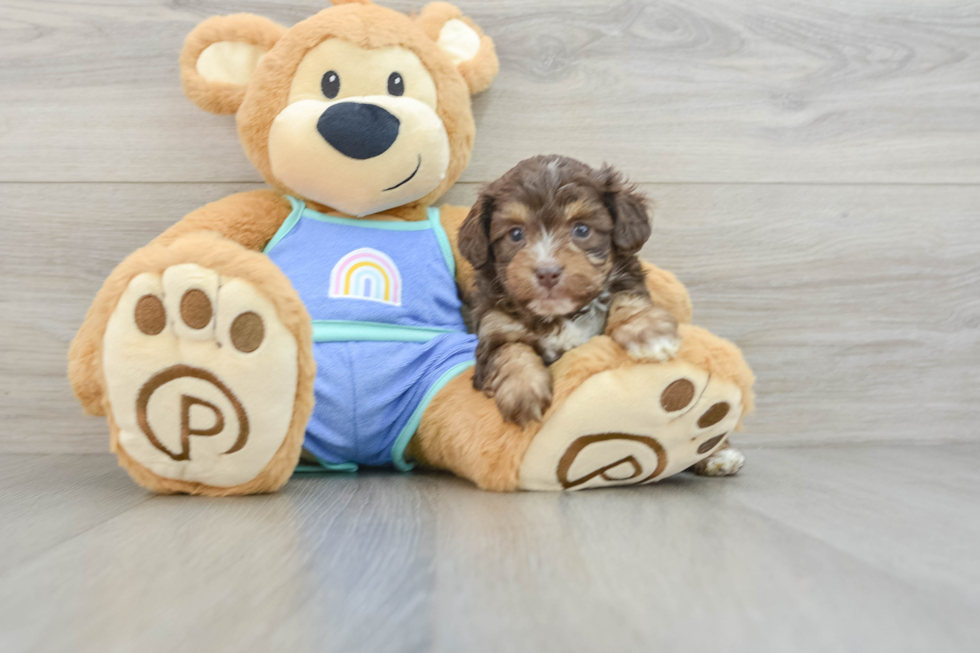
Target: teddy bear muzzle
360,155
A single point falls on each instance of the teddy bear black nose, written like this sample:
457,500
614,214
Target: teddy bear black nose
358,130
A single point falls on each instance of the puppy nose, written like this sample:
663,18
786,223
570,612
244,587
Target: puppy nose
548,276
358,130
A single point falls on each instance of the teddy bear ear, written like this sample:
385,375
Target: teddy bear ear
465,43
219,57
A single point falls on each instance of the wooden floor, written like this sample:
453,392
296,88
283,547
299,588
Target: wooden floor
859,548
816,171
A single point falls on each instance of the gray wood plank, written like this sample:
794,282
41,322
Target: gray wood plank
48,499
856,306
802,552
340,564
708,90
897,509
695,566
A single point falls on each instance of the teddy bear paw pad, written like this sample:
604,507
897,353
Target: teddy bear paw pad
630,426
201,376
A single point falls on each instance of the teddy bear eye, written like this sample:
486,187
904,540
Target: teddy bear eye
581,230
396,85
516,234
330,84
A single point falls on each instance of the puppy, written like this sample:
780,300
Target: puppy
554,246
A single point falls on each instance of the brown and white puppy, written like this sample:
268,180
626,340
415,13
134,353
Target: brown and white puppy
554,244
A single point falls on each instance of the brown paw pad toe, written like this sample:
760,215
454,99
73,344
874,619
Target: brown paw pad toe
713,415
711,443
677,396
247,332
150,315
195,308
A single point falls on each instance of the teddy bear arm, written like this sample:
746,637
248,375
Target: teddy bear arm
250,219
452,219
668,292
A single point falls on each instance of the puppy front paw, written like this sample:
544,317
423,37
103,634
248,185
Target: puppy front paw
650,335
726,462
660,349
524,395
515,376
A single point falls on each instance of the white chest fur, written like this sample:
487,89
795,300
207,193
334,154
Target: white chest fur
575,331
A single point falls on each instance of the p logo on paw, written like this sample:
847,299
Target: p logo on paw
610,459
212,385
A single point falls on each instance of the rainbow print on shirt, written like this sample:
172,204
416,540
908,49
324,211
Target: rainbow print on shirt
367,274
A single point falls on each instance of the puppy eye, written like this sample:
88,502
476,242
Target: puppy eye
330,84
581,231
516,234
396,85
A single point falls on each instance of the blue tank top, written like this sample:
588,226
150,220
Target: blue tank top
387,327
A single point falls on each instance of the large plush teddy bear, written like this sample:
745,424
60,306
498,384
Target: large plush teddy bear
326,312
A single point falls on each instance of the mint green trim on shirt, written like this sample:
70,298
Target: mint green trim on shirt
322,466
401,442
390,225
443,239
350,331
300,210
288,223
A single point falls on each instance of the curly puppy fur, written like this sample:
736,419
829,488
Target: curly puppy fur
554,244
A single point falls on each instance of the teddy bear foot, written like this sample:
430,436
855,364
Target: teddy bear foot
630,426
201,379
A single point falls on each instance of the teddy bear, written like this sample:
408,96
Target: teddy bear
322,317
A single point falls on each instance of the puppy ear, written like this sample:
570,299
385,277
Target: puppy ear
474,234
219,57
463,41
628,208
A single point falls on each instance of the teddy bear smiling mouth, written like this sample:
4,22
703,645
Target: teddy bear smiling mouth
408,178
